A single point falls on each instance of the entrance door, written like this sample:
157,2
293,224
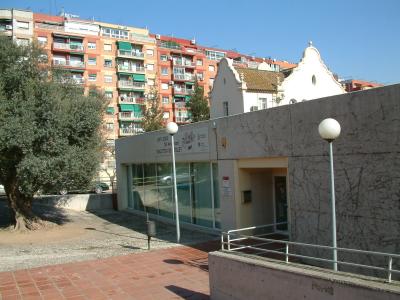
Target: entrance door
280,192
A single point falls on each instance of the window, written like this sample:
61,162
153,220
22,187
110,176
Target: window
108,94
110,110
164,71
108,78
115,33
110,126
42,40
262,103
108,63
92,61
107,47
165,99
225,108
22,42
150,52
110,142
22,25
199,62
211,68
314,80
92,77
91,45
150,82
211,81
215,55
200,76
166,115
164,86
150,67
163,57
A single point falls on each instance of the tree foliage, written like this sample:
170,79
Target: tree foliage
49,130
198,104
152,113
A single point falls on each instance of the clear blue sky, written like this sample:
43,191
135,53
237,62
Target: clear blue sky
357,38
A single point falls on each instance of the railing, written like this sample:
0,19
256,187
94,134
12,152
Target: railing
129,116
65,46
132,100
130,131
68,63
79,80
181,63
134,54
183,91
130,84
49,26
230,241
184,77
122,68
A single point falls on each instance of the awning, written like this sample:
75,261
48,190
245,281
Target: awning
124,46
125,74
182,96
110,110
139,77
76,70
131,107
67,36
187,98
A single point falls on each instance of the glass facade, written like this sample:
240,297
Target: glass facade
151,190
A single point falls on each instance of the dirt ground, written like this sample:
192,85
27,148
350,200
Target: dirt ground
82,236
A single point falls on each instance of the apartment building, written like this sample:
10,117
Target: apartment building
17,24
353,85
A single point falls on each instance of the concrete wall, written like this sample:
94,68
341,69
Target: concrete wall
79,202
234,277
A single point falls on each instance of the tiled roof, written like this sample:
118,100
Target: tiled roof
260,80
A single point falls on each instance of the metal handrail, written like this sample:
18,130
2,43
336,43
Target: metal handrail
233,236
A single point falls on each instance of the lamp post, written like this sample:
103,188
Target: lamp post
171,129
329,130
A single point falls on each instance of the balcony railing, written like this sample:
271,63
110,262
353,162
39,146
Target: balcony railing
129,116
180,63
130,131
131,100
130,84
183,91
79,80
137,69
182,120
66,46
133,54
49,26
68,63
189,77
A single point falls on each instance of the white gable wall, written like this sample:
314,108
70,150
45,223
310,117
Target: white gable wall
251,99
299,84
226,90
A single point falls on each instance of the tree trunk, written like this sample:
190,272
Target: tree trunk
20,209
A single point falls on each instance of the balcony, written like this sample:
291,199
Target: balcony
181,63
184,77
131,100
130,69
129,116
130,131
127,84
67,47
68,63
131,54
79,80
183,91
181,119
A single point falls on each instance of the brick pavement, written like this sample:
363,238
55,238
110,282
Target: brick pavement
174,273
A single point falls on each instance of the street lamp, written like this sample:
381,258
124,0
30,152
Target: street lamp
171,129
329,130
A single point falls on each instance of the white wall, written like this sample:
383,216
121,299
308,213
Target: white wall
251,99
82,28
299,85
226,90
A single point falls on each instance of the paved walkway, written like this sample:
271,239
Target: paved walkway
173,273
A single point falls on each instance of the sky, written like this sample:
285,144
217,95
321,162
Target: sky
357,39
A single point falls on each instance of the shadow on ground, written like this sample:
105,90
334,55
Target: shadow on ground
49,213
186,293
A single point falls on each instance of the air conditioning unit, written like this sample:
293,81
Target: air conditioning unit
253,108
171,82
193,42
158,36
8,27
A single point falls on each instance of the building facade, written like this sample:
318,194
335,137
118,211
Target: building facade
17,24
272,166
354,85
240,89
